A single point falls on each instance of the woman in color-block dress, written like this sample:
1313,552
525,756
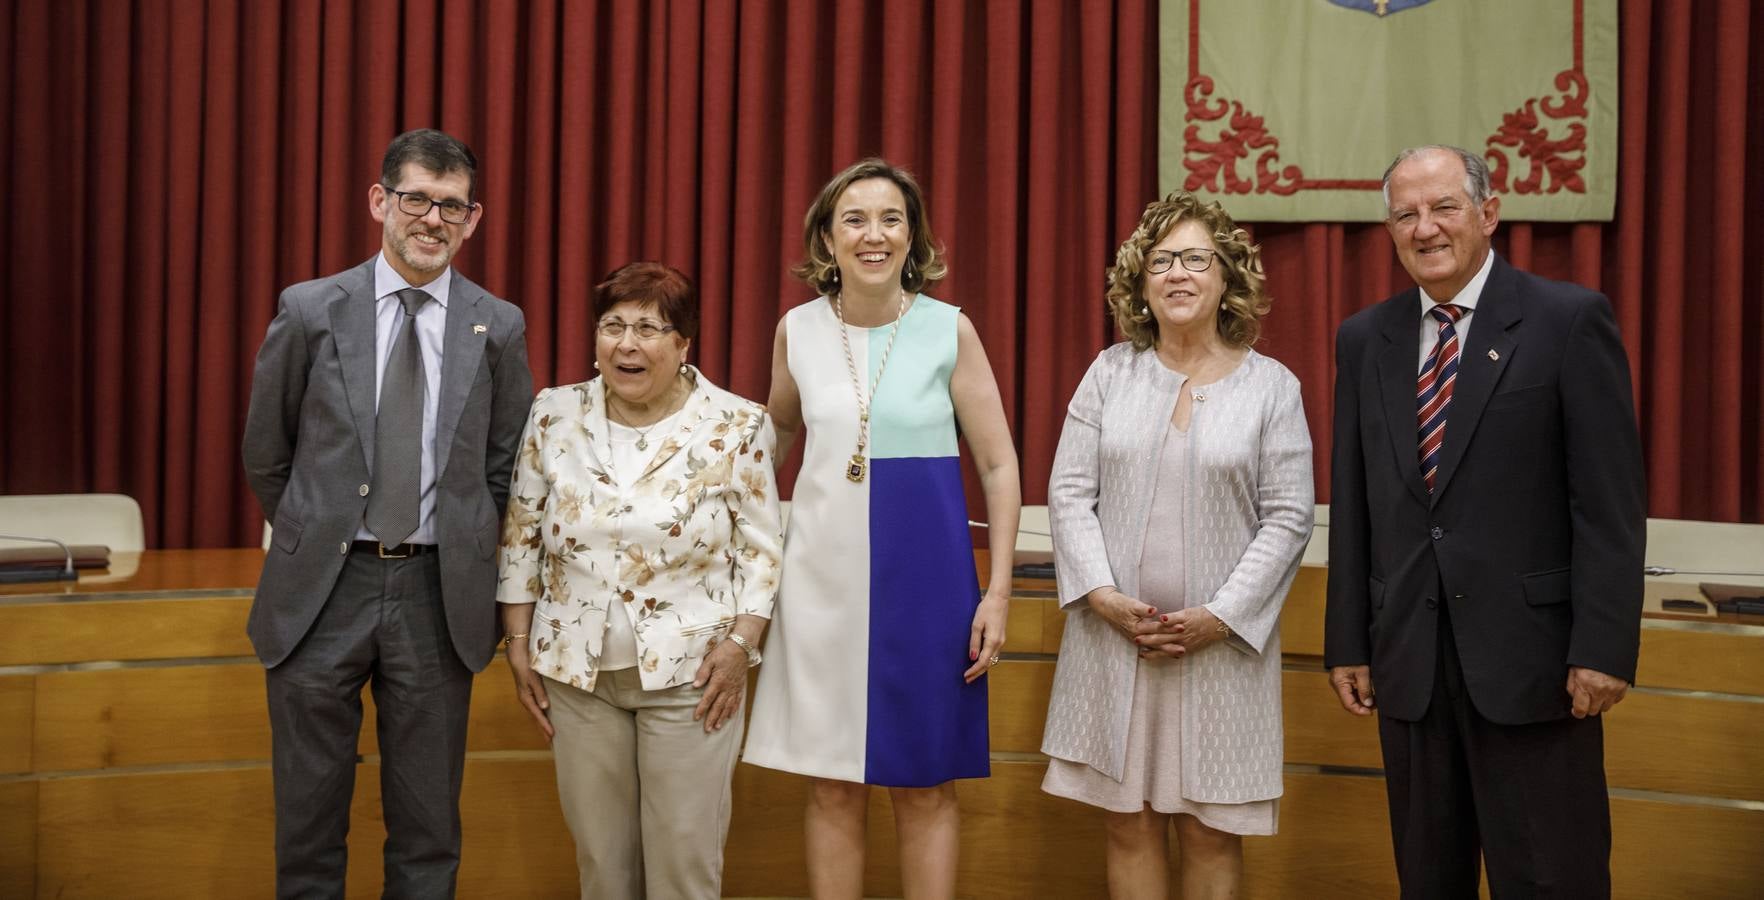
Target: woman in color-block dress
881,639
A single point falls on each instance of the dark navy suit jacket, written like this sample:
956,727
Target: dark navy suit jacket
1535,530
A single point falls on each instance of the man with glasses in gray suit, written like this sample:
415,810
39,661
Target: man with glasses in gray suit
386,410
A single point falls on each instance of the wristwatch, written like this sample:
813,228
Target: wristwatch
753,654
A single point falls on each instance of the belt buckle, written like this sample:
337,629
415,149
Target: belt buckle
384,555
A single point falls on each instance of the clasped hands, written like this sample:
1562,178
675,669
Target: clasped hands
1154,634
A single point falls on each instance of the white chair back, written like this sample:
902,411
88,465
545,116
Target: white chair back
113,520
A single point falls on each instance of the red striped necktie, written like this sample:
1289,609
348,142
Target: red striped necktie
1434,392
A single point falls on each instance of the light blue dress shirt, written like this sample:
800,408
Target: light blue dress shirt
431,329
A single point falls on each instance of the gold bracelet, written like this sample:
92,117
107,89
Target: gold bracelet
515,637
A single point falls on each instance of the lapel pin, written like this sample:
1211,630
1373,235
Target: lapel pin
480,329
1494,356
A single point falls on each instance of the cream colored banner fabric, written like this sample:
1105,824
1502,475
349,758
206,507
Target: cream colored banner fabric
1289,110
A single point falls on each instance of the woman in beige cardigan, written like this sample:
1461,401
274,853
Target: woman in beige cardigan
640,558
1181,501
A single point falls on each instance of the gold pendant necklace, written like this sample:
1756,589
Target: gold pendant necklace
856,468
642,433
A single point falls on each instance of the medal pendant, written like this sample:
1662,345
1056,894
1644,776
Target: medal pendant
854,470
642,443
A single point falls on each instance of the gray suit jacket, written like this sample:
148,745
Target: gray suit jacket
309,449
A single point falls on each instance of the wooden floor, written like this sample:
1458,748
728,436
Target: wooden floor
134,746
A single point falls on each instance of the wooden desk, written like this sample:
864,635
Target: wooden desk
134,750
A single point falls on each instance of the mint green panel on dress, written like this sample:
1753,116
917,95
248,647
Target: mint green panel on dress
911,414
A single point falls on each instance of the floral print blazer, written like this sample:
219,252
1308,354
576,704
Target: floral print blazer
692,542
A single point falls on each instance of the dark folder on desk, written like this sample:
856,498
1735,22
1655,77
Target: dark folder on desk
1735,598
46,556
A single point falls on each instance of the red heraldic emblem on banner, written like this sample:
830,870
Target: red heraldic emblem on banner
1531,85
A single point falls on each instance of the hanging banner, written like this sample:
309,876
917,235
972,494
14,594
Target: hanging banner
1289,110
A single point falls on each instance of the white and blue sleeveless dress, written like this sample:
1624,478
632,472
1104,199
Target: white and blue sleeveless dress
862,679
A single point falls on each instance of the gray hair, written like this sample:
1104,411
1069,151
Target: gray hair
1476,182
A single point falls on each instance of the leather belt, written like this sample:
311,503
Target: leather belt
396,551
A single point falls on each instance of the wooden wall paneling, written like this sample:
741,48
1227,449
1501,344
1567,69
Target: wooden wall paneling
17,703
516,843
1673,851
1017,704
60,632
1705,746
18,838
1023,631
1334,841
498,721
1701,658
764,854
1053,626
104,718
1301,618
1318,731
208,834
176,835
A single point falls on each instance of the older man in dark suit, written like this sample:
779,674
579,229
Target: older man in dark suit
386,410
1485,548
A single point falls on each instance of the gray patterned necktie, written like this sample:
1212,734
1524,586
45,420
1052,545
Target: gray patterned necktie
392,510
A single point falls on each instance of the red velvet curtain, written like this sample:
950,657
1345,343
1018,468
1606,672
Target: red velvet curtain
170,166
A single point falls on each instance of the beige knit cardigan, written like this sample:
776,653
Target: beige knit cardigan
1246,516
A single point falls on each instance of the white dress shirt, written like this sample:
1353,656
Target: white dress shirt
431,329
1466,298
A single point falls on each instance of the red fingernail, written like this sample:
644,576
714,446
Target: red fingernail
973,655
1163,618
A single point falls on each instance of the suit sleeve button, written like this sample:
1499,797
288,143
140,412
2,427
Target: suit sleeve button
363,490
1438,532
1432,603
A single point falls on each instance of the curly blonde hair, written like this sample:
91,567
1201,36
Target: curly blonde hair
924,263
1245,301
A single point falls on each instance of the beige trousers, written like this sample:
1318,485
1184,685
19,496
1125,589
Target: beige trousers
645,791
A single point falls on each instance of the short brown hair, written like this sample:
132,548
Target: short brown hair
436,151
1245,300
651,283
924,263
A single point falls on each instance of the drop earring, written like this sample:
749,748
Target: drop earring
597,365
683,368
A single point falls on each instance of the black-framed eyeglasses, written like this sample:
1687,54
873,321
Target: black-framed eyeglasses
416,205
1194,259
645,329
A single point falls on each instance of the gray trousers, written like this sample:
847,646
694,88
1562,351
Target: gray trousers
383,625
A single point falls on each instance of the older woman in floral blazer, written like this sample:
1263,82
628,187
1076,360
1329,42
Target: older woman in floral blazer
639,561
